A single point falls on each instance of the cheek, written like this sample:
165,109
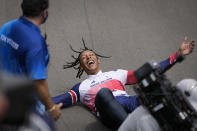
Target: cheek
98,61
83,63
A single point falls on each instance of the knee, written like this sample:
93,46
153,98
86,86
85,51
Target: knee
104,96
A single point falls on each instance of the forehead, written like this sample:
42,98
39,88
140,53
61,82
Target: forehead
87,52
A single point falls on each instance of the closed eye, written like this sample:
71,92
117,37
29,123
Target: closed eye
83,57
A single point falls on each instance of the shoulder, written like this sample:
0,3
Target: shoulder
76,86
84,84
118,71
23,34
7,27
29,32
12,22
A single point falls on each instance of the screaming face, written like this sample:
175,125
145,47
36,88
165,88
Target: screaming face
89,62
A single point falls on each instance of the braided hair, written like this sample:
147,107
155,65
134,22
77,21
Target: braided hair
76,63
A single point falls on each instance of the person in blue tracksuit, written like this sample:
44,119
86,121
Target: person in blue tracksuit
23,51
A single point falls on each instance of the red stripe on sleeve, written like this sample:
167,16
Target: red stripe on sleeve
74,96
131,78
173,57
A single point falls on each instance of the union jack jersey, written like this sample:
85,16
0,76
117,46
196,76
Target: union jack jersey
86,91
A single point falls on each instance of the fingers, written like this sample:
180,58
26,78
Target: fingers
192,43
59,105
185,38
57,111
187,47
191,46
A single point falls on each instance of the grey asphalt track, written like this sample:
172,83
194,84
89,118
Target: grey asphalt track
131,31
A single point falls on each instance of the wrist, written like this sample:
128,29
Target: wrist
52,108
49,105
179,52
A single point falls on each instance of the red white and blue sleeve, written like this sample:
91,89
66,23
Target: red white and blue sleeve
69,98
164,66
169,62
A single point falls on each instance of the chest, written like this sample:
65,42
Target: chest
92,86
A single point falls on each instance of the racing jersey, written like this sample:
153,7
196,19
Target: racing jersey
85,92
23,50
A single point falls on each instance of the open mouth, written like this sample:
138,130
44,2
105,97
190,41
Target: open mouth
91,62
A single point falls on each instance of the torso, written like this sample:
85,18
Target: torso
113,80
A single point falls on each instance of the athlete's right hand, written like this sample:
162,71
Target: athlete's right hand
55,111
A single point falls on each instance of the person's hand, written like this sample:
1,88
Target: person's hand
186,47
55,111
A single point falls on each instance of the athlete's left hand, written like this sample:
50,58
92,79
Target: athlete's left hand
186,47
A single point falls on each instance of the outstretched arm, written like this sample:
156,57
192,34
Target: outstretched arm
69,98
186,48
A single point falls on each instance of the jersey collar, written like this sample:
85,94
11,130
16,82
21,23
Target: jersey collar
29,23
94,76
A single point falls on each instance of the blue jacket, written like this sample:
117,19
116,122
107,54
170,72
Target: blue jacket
23,50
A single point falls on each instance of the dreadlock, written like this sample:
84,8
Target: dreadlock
76,63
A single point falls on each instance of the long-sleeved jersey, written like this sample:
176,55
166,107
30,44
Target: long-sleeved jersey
86,91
